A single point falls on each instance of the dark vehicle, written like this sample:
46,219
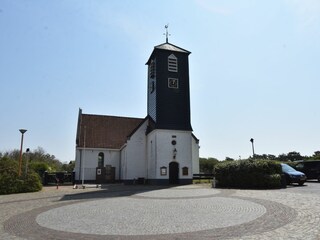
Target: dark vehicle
292,175
310,168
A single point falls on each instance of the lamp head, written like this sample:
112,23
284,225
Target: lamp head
22,130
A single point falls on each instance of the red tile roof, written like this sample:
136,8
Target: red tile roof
100,131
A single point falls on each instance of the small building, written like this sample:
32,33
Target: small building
157,149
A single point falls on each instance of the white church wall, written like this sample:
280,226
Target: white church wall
195,157
89,160
143,156
85,167
184,153
112,157
123,163
134,155
161,152
77,165
151,155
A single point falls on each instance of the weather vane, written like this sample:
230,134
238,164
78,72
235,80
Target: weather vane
167,34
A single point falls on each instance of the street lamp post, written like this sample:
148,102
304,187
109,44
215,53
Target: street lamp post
251,140
20,159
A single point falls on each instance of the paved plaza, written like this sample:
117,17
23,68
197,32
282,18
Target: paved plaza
154,212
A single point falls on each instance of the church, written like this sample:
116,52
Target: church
158,149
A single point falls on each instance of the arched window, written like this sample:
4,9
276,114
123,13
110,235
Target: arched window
101,160
172,63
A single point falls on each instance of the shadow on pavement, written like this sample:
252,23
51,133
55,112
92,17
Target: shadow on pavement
110,191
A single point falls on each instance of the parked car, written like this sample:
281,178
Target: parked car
292,175
310,168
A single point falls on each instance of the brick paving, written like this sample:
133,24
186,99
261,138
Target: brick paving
149,212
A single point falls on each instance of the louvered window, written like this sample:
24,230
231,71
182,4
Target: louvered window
152,69
172,63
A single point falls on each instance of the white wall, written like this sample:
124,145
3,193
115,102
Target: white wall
123,162
143,156
77,165
160,152
90,160
195,157
151,155
133,156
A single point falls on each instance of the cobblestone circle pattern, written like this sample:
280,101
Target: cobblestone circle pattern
178,213
125,216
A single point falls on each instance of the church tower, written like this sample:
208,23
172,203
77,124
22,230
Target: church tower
168,87
172,149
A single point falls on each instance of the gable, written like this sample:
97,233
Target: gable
99,131
171,47
167,47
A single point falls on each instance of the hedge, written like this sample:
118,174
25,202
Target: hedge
248,174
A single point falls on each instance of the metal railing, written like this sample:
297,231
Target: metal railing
61,178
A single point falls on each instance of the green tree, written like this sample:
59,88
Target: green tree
316,155
40,155
9,166
68,167
294,156
207,164
264,156
14,154
39,167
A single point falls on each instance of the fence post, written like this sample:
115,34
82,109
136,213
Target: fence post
214,182
57,181
45,178
73,178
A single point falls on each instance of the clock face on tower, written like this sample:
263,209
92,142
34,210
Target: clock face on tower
173,83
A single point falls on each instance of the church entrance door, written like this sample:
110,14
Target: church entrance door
173,173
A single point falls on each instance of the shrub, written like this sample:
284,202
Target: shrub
32,183
8,166
13,184
10,182
256,174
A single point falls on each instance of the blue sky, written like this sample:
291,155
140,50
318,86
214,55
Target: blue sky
254,70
